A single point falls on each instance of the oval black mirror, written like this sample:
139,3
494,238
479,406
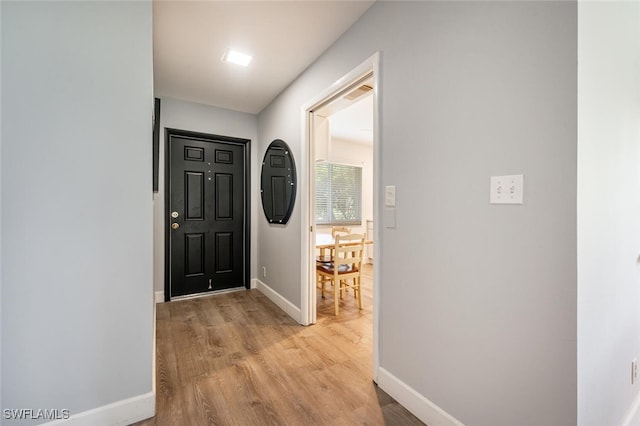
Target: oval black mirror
278,182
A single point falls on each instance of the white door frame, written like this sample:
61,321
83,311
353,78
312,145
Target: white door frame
308,292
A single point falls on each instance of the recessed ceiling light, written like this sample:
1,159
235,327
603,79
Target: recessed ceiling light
235,57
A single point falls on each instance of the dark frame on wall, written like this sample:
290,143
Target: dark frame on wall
156,142
278,183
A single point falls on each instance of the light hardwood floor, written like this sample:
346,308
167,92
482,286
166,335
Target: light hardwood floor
237,359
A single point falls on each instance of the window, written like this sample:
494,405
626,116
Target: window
338,194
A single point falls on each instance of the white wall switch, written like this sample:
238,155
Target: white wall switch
507,189
390,196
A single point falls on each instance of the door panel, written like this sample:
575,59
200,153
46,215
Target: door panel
224,248
193,154
207,190
224,196
194,254
194,195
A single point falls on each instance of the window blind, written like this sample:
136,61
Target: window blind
338,194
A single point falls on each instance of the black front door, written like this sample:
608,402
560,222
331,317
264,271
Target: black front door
207,209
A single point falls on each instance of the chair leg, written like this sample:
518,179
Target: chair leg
359,290
336,286
322,284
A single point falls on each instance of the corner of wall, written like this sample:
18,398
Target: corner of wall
633,415
291,310
1,405
412,400
123,412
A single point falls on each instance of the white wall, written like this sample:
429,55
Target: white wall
478,301
177,114
77,306
608,211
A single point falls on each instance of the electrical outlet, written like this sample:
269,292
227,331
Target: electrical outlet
264,272
634,371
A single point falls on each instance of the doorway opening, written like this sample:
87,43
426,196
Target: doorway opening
343,158
343,163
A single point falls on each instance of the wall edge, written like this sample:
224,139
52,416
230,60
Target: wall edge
417,404
119,413
291,310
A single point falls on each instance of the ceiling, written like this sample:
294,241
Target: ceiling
350,113
284,38
355,122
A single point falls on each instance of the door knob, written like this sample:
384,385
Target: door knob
174,215
175,226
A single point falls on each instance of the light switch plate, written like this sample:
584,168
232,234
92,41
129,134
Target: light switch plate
390,196
507,189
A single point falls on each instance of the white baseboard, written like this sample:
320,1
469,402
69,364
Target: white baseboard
159,296
293,311
413,401
253,283
119,413
633,415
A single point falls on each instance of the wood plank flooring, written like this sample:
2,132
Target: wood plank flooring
237,359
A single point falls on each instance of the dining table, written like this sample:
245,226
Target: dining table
325,243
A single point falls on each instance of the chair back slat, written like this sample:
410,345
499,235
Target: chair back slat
348,249
340,230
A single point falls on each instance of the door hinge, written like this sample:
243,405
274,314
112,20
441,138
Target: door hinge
311,228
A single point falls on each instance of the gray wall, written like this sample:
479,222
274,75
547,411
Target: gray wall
478,301
77,309
608,210
195,117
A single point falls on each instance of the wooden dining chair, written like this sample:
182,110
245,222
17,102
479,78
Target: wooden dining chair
340,230
326,255
346,269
